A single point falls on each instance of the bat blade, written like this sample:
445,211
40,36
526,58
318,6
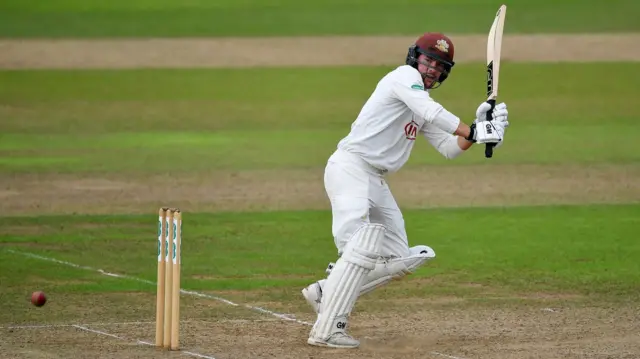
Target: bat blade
494,49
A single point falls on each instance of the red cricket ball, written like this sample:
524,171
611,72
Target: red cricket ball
38,299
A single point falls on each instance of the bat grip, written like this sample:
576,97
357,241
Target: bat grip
488,147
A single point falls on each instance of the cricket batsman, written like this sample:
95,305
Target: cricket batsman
367,225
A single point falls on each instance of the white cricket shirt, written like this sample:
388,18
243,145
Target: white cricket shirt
397,111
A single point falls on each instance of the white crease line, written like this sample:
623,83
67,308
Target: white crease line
197,355
41,326
139,342
120,323
101,332
188,292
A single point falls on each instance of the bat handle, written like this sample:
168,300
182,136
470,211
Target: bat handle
488,147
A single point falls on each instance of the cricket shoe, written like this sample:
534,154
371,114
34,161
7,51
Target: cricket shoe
338,340
313,293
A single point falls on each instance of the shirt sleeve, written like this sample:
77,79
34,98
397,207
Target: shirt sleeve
445,143
409,88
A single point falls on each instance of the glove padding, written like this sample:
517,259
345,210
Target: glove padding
493,131
489,131
500,112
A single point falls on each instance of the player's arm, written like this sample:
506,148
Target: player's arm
438,117
408,88
461,134
450,146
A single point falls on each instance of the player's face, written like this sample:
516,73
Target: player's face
430,70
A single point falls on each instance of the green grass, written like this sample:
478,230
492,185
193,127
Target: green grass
584,251
155,120
143,18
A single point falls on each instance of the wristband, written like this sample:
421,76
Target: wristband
472,133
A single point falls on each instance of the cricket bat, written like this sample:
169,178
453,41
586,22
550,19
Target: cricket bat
494,47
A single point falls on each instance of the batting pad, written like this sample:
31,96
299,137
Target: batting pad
343,284
396,268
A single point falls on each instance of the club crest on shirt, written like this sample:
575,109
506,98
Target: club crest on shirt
411,130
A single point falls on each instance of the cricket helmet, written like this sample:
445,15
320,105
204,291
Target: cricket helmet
435,46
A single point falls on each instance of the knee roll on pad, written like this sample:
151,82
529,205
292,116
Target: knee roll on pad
364,246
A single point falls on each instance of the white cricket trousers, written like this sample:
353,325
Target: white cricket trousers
359,194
